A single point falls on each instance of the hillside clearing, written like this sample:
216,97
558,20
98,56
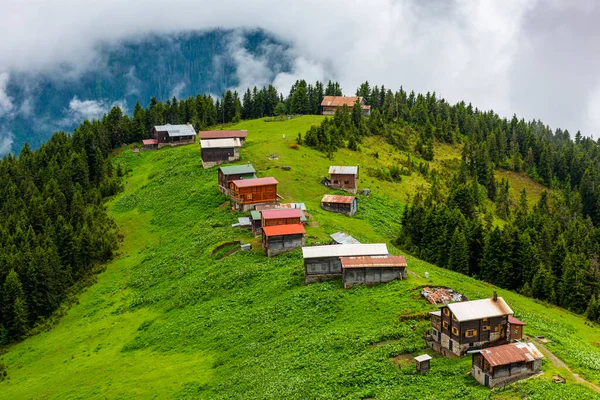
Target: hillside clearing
165,320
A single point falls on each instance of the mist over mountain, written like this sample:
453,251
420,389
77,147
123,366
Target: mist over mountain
122,73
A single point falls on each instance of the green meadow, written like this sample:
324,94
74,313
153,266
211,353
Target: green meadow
165,319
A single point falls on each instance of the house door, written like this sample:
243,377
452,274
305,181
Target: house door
439,337
450,344
487,380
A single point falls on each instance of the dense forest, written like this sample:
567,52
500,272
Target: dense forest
55,228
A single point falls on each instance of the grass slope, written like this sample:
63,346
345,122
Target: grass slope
167,320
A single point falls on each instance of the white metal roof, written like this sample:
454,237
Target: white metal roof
478,309
220,143
436,313
176,130
336,169
345,250
423,357
343,238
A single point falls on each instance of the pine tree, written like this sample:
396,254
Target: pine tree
459,253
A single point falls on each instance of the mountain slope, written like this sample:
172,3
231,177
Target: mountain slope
168,320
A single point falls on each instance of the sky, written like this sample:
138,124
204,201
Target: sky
539,59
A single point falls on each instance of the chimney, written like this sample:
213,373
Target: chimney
495,296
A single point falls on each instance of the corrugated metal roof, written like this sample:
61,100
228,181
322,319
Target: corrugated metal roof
282,213
338,101
255,182
222,134
345,250
343,238
293,205
478,309
238,169
344,170
255,215
220,143
150,141
423,357
373,261
176,130
334,198
513,321
279,230
511,353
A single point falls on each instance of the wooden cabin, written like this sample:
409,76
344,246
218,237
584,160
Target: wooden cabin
174,135
219,151
149,144
330,104
372,269
323,262
224,134
469,325
245,194
515,328
280,238
234,173
422,363
340,204
256,220
505,364
281,217
344,178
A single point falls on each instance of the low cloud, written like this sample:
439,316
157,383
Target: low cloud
6,103
534,58
80,110
177,90
6,142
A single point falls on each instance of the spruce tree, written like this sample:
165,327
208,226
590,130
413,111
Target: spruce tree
459,253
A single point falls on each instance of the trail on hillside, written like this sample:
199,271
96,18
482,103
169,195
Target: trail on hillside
557,362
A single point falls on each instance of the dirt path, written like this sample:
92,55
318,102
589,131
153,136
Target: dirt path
413,273
557,362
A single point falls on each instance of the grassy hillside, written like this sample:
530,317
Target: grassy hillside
167,320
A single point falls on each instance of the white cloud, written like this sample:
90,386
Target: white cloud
522,56
80,110
177,90
6,141
6,104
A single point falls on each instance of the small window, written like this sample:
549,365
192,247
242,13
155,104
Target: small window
471,333
346,182
249,196
446,311
445,324
335,182
485,320
454,317
485,328
455,330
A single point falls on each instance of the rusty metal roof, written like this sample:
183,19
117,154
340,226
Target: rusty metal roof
478,309
280,230
220,143
373,261
332,198
339,101
255,182
150,141
282,213
511,353
513,321
222,134
345,250
343,170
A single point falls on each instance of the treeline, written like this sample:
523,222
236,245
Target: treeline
54,226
